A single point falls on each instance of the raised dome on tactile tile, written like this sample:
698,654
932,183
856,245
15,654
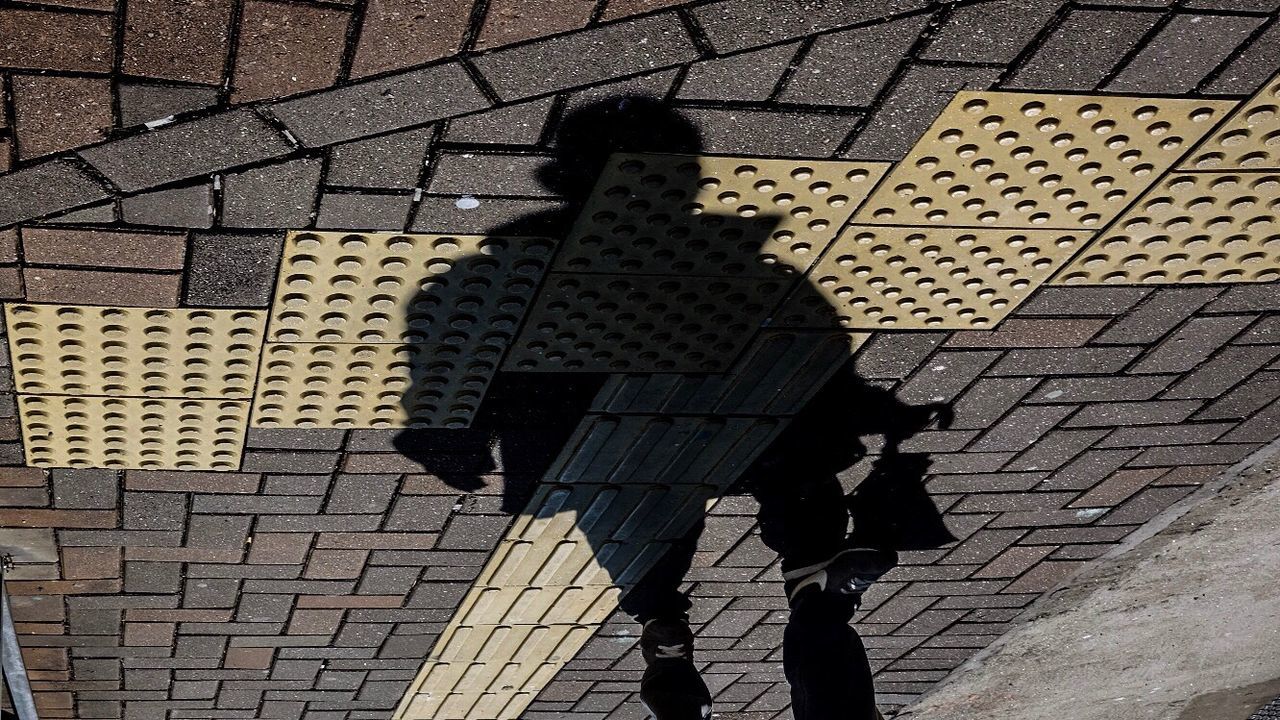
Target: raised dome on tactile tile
1248,140
1194,227
707,215
1018,160
410,288
925,278
130,432
129,351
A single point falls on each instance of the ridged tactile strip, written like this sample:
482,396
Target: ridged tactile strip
538,605
1192,228
375,385
1014,160
398,288
926,278
721,216
1248,140
773,377
141,352
631,323
144,433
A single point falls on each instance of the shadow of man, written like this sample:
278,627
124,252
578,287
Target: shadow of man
527,417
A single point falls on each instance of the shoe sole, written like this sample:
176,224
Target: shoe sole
850,572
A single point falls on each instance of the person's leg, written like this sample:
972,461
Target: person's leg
824,659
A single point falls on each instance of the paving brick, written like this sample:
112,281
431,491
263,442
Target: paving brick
1055,449
1031,333
154,511
1248,297
100,248
1252,65
1044,577
529,217
286,49
994,32
177,41
187,149
144,102
1192,344
279,548
389,161
587,57
189,206
1145,505
280,195
1022,427
232,270
46,188
1264,332
1066,361
403,33
1115,414
1087,470
302,463
945,376
520,124
84,489
1073,301
1224,371
851,67
252,658
350,211
773,132
90,563
336,564
1084,49
737,24
509,21
257,504
57,113
1220,454
295,438
426,514
895,355
748,76
1117,488
987,400
1014,502
1183,53
984,482
191,481
911,105
492,174
1159,313
41,40
362,493
1100,389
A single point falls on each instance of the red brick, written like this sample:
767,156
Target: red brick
402,33
177,39
56,113
148,634
55,40
11,285
64,587
625,8
94,287
315,622
350,601
1190,475
286,49
38,658
279,548
509,21
99,248
58,518
86,563
1118,488
22,477
8,238
248,658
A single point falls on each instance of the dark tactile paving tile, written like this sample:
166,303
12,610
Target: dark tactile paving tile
387,161
48,40
520,124
144,102
1252,66
57,113
46,188
994,32
363,211
286,48
737,24
587,57
232,270
402,33
97,287
770,132
187,149
746,76
851,67
188,206
376,106
911,106
101,248
177,40
280,195
509,21
1083,50
1183,53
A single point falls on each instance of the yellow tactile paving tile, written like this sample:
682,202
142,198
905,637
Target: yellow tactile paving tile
885,277
1017,160
149,352
1193,227
717,216
1248,140
374,385
538,605
127,432
639,323
403,288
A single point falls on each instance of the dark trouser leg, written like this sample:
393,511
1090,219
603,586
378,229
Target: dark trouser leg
825,661
658,595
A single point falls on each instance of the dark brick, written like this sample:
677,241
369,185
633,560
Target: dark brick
281,195
493,174
362,493
39,40
1031,333
1084,49
1185,434
1225,370
424,514
99,248
388,161
994,32
895,355
748,76
788,133
851,67
1088,469
154,511
403,33
152,577
1264,332
738,24
211,593
46,188
1207,455
1066,361
1117,488
1044,577
1262,427
303,463
1251,67
968,462
1183,53
1043,518
1014,502
348,211
587,57
989,399
190,481
911,105
441,214
144,102
232,270
388,580
1100,389
1247,297
520,124
1145,505
1022,427
945,376
988,482
257,504
257,607
187,149
509,21
1154,412
177,41
1192,344
1070,301
190,206
286,49
279,548
41,121
1161,312
295,438
85,489
1055,449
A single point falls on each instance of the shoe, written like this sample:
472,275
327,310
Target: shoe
849,572
671,688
